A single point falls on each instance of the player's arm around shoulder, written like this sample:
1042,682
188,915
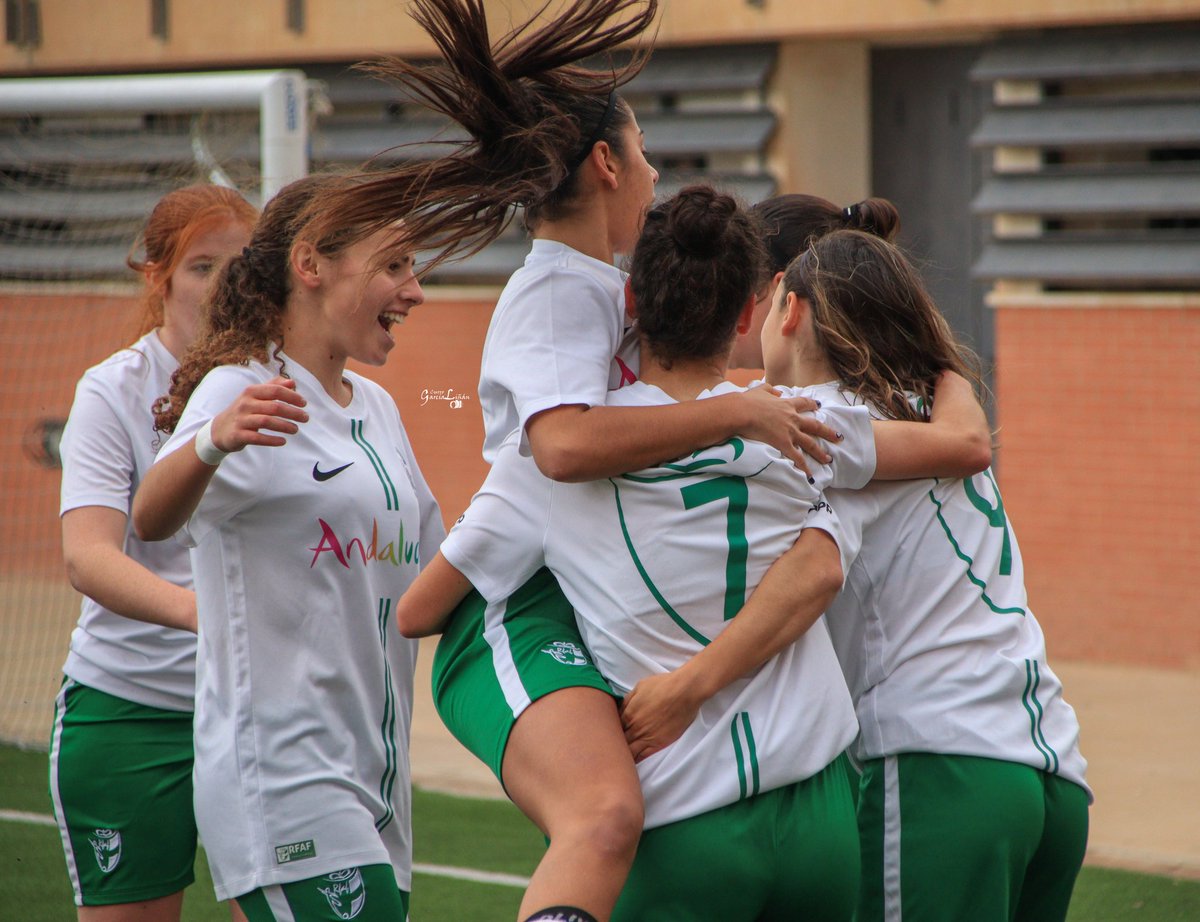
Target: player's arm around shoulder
956,442
792,595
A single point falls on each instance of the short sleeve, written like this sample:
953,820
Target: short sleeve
853,463
845,529
554,345
497,543
97,455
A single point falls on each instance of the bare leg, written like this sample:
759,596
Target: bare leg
235,912
163,909
568,768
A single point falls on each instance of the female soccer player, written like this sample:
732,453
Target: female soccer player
973,803
661,707
121,752
559,141
656,563
789,224
292,480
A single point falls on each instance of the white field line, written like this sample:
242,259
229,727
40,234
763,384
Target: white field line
34,819
436,870
479,877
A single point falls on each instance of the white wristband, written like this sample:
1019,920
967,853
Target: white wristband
206,448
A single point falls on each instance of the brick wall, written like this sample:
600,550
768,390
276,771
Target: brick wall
46,343
1100,434
1099,414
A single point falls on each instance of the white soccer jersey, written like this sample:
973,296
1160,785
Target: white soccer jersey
552,340
107,446
304,686
933,629
655,563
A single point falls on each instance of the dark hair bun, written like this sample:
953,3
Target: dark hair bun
876,216
698,220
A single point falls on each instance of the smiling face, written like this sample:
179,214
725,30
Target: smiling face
366,299
187,286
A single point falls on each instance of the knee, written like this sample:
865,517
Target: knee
613,820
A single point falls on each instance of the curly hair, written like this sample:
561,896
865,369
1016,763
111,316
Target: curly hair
243,315
876,322
178,218
531,111
693,270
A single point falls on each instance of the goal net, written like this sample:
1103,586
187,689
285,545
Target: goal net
82,163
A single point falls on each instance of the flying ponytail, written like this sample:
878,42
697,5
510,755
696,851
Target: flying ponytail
528,107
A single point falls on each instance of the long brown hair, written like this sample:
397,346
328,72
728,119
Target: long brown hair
791,222
243,315
176,220
876,322
693,270
532,113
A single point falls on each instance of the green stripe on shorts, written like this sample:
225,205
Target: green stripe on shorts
481,688
121,782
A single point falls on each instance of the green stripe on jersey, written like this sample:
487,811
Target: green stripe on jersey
1033,708
966,558
387,729
658,596
389,489
745,753
692,467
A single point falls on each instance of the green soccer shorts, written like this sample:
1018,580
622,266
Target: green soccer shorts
121,782
949,837
493,661
786,854
365,894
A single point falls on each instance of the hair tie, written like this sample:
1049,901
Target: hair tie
596,134
851,212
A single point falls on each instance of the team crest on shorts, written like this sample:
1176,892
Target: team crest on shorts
567,653
106,845
346,892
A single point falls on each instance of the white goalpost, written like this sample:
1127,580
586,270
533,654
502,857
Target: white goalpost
83,160
280,96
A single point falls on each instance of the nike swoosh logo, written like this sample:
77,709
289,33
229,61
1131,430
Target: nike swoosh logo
321,476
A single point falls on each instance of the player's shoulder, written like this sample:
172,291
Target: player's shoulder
829,393
638,394
552,268
138,360
376,398
224,382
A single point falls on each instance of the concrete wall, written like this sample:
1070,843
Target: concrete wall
114,35
821,92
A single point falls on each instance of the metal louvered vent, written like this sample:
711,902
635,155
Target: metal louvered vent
1095,161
